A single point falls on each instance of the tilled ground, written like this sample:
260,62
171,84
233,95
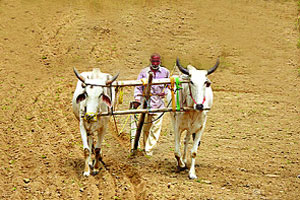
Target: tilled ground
250,148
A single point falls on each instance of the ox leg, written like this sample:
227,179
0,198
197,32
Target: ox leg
86,151
180,163
194,135
198,135
186,142
91,146
98,151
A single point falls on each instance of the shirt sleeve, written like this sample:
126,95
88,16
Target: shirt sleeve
138,90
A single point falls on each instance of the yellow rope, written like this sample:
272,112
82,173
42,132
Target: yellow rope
173,69
170,75
124,124
120,101
144,81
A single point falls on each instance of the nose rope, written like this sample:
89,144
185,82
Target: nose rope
193,97
90,116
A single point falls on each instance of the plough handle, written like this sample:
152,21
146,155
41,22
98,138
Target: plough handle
142,117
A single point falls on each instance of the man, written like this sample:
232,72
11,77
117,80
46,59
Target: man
152,125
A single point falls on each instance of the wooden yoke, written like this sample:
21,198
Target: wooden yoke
142,117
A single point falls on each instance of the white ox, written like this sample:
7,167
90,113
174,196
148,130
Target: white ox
91,97
197,94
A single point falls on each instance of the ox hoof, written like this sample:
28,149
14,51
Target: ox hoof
133,152
192,176
86,174
179,169
95,172
91,166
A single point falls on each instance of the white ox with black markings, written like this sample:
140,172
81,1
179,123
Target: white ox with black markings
91,97
197,94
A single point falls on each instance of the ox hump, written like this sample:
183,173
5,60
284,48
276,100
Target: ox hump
96,73
190,67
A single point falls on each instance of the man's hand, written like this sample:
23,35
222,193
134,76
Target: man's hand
162,94
135,104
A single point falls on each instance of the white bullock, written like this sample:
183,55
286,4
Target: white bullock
91,97
197,94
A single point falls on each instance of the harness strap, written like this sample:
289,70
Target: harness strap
172,79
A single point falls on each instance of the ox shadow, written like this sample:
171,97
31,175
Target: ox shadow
77,165
168,167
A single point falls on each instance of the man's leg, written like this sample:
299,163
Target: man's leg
146,128
154,133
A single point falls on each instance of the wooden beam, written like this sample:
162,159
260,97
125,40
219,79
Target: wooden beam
139,82
138,111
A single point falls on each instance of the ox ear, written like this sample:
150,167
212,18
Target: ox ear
106,100
81,97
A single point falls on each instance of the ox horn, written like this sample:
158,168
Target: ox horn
182,69
108,82
211,70
81,78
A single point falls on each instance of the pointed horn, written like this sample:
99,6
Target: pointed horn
183,70
108,82
211,70
81,78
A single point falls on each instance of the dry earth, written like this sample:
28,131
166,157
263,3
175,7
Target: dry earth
250,148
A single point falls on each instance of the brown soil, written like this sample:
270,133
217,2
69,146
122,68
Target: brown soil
250,147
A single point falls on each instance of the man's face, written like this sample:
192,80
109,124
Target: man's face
155,61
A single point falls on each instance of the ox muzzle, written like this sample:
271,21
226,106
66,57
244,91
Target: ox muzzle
199,106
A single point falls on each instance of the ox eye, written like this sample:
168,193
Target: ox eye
192,82
207,83
83,85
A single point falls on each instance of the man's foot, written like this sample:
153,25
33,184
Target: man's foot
149,153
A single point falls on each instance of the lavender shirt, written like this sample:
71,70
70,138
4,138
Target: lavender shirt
155,100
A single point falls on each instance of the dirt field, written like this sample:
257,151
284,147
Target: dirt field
250,148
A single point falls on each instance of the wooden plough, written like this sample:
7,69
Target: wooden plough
143,111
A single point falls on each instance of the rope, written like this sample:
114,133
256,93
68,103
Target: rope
145,81
177,88
172,79
121,93
162,112
191,95
171,74
124,124
112,111
178,83
90,116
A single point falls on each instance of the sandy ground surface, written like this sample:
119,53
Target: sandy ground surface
250,148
